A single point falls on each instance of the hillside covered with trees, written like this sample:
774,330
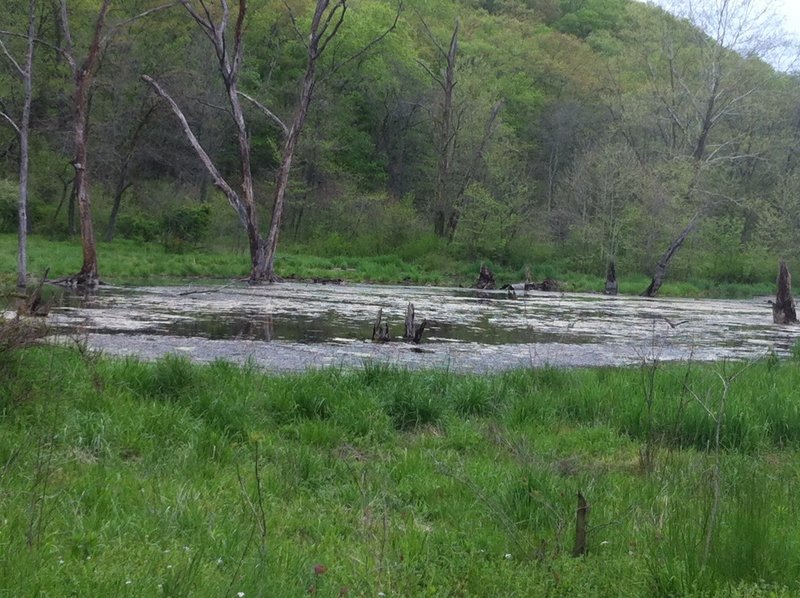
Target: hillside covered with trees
514,131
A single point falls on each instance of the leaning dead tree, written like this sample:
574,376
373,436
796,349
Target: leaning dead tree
783,310
666,258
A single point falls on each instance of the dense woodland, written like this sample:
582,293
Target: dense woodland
516,131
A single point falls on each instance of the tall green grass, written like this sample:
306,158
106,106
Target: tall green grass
169,478
421,261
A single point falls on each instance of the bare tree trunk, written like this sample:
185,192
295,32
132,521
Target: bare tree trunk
317,41
267,266
23,132
83,76
663,263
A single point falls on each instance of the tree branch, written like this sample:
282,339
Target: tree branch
11,122
133,19
269,114
11,58
219,181
371,44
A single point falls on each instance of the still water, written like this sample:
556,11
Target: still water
296,326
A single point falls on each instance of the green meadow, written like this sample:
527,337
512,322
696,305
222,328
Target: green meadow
125,478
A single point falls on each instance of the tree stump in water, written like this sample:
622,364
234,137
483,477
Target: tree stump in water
783,311
611,279
413,331
380,331
485,279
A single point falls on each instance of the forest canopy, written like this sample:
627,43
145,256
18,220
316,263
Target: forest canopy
507,130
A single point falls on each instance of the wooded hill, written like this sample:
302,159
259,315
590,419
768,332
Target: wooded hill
507,130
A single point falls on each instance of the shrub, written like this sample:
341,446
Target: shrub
185,227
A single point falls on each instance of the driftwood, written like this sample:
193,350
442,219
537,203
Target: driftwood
581,527
413,331
663,263
611,287
783,311
380,331
485,279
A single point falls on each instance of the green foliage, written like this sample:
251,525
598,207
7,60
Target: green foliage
185,227
199,479
9,202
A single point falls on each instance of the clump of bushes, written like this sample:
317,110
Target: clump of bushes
185,227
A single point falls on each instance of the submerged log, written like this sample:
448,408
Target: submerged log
380,330
783,310
611,279
485,279
413,330
661,267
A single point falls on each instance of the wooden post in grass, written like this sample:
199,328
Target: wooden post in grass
783,311
581,528
413,331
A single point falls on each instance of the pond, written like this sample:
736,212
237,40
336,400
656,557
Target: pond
292,326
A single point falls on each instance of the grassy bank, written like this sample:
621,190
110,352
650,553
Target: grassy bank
133,479
130,262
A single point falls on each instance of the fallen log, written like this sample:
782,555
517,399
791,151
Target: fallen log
783,309
413,330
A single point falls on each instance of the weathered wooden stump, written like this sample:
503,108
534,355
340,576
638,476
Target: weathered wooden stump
783,310
485,279
380,330
414,331
611,287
